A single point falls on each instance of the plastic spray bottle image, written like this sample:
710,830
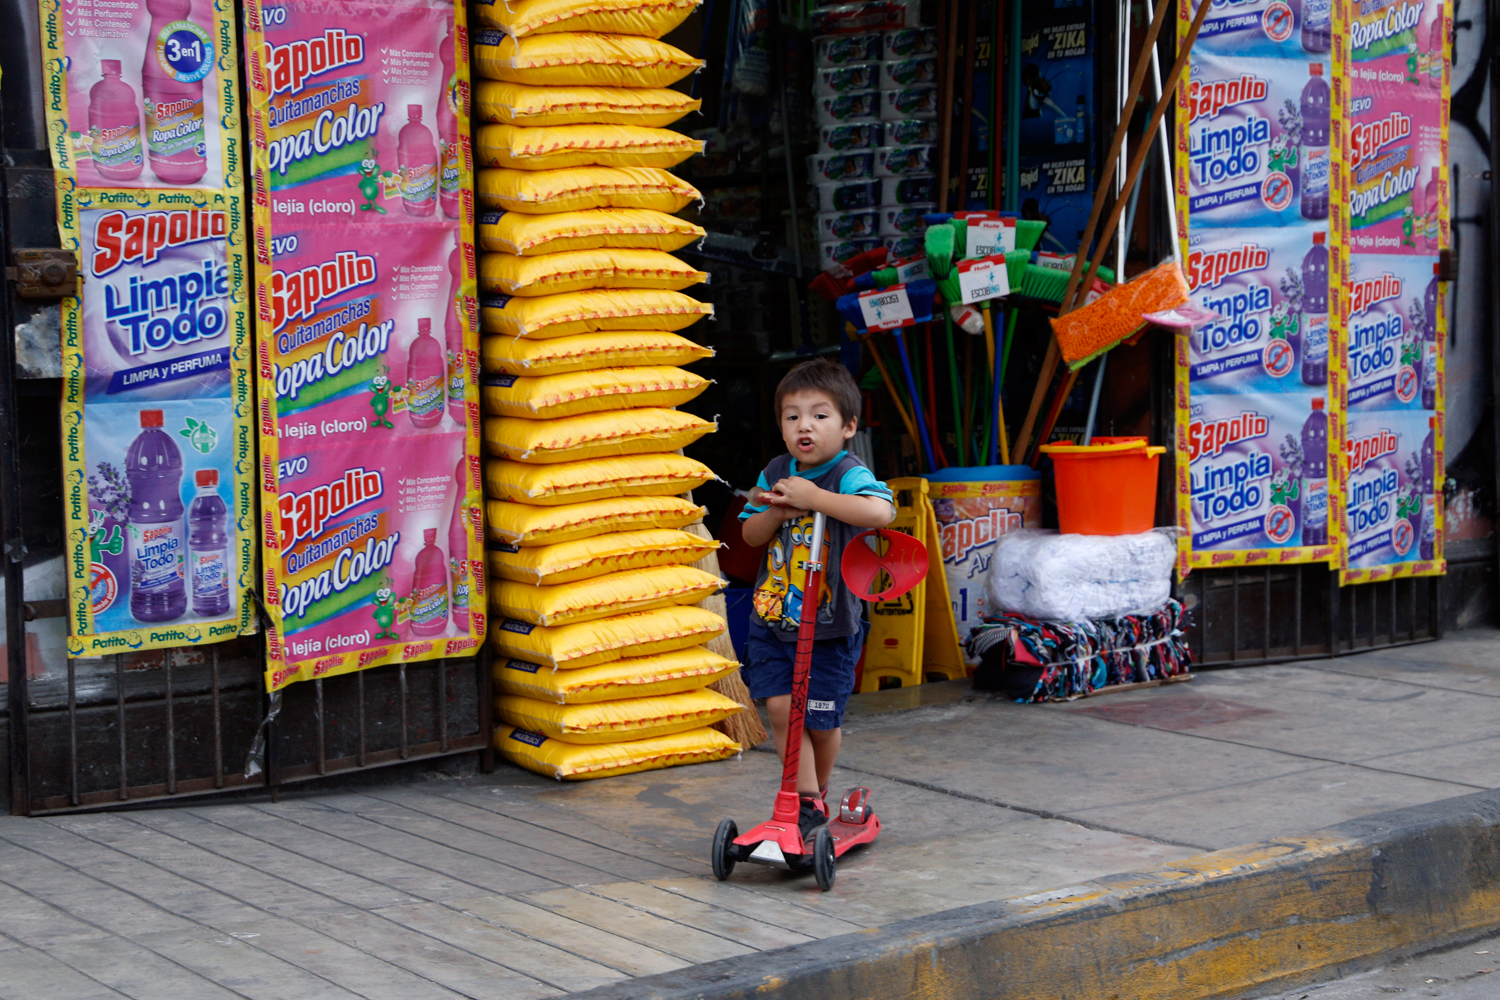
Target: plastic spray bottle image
1429,343
172,78
1317,25
1431,210
1315,312
153,467
458,553
426,370
453,335
1315,476
1435,47
419,164
447,123
115,125
208,546
429,588
1314,162
1428,545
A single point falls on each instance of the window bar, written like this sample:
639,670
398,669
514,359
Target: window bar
404,751
442,686
171,728
486,710
1297,612
1234,632
322,754
120,722
360,676
1265,648
1412,634
72,731
218,720
1335,613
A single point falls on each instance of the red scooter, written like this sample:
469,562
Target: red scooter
871,558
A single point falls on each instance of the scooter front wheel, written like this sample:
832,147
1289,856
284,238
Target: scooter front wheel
825,864
723,841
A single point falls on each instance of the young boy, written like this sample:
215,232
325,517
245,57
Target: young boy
817,404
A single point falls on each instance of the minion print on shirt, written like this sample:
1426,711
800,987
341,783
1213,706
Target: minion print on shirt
778,599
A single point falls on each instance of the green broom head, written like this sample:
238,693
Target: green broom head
1015,267
960,239
948,285
1046,284
1029,233
885,277
939,242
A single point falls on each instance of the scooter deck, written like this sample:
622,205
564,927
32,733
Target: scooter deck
847,836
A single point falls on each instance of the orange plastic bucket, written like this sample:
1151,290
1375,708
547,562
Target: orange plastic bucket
1106,488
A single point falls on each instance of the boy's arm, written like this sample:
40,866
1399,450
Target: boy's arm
857,510
758,529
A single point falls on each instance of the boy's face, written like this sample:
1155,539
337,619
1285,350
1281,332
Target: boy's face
812,427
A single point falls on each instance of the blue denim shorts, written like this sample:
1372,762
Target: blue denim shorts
767,672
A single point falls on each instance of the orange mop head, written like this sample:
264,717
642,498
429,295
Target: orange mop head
1118,314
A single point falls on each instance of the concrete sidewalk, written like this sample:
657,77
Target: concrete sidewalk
512,886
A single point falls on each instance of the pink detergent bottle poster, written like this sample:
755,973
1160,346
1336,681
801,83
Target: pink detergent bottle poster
158,449
367,353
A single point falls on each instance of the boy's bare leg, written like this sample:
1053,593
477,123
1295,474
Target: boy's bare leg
825,751
780,710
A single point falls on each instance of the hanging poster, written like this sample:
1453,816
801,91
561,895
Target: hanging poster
1255,408
367,346
1391,127
1057,128
158,453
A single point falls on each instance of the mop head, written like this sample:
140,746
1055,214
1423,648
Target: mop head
1118,314
939,242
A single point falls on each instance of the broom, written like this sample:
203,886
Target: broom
1116,145
742,727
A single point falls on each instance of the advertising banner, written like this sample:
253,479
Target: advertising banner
1058,134
143,113
1390,121
1257,413
367,348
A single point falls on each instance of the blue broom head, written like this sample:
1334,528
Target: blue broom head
919,293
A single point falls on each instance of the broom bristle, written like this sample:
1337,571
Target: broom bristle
1086,333
939,242
1029,233
743,727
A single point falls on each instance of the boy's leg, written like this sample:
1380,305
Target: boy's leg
780,710
825,751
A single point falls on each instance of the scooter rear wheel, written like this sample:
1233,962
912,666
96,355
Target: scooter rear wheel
825,864
723,841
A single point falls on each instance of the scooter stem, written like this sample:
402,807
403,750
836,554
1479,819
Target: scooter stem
802,665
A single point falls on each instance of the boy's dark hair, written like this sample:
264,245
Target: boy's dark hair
823,376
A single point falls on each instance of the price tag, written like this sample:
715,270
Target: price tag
982,279
990,236
912,269
886,308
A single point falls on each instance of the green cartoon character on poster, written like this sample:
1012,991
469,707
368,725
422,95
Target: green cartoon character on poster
1407,223
380,399
369,185
385,611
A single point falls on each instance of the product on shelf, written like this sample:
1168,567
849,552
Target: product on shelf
550,396
524,526
522,104
581,270
556,759
589,312
594,478
591,229
636,677
547,147
576,188
641,633
611,551
587,352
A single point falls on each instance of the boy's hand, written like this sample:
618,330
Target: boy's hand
773,503
794,492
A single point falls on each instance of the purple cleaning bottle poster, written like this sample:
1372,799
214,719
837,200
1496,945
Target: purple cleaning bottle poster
143,118
157,434
142,94
1392,63
1257,415
367,354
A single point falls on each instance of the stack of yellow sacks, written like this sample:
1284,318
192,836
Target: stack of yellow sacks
602,665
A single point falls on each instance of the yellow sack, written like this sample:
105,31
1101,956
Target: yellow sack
593,478
576,762
594,229
593,435
616,721
636,677
549,146
580,58
520,104
584,558
568,313
575,188
603,596
580,270
650,18
587,352
549,396
587,644
523,525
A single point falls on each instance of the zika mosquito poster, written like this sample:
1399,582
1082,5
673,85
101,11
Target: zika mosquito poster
1389,328
367,350
158,454
1256,409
